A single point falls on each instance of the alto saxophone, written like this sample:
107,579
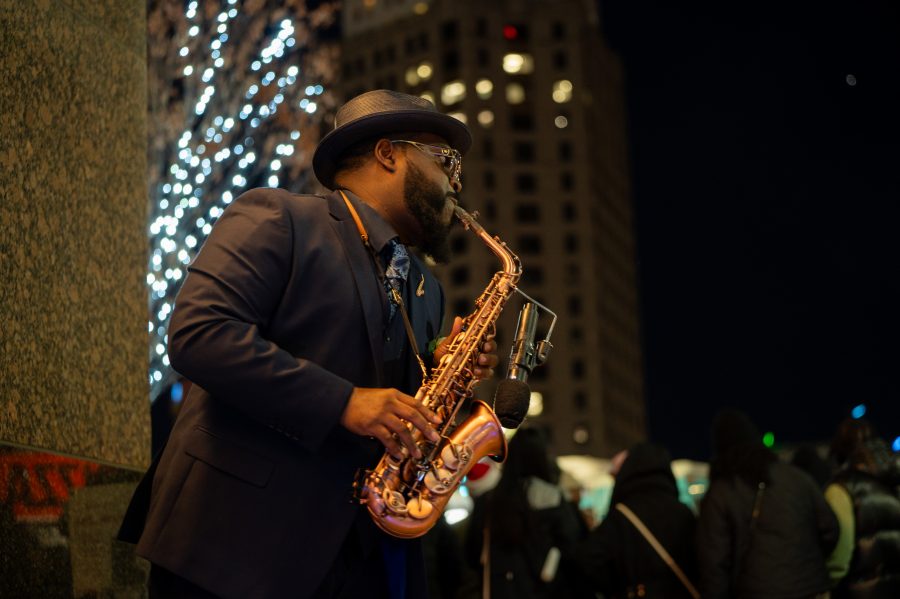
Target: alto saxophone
405,496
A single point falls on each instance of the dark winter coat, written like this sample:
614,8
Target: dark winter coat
780,555
616,559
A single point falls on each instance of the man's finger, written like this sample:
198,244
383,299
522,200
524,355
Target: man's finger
420,408
401,433
481,373
417,415
390,443
489,360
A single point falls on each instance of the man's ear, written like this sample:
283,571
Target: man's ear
386,154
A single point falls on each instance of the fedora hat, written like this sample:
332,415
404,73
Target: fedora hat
380,112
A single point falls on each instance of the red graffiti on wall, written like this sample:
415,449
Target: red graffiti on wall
36,486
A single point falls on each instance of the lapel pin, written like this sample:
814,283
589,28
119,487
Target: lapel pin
420,290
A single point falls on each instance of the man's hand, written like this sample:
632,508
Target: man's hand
384,414
487,358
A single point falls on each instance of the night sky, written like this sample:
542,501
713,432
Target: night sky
766,190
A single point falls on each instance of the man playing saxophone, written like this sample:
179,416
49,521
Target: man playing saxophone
305,326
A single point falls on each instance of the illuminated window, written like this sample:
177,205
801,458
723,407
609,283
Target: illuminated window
562,91
561,122
453,92
515,93
484,88
412,78
424,71
518,64
485,118
459,116
581,434
428,96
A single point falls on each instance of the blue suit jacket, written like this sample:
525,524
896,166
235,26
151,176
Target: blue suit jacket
281,315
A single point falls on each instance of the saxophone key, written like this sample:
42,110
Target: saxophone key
456,456
419,508
394,501
439,480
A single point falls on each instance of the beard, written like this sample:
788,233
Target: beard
425,201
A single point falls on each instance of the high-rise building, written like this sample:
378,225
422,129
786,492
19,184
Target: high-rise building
548,173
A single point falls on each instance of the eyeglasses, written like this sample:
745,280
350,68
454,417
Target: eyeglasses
447,158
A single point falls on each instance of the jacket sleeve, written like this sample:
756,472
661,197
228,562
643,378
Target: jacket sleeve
826,522
839,561
714,544
216,334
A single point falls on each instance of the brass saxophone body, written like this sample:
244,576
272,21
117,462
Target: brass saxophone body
405,497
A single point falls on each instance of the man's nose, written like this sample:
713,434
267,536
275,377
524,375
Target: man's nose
456,184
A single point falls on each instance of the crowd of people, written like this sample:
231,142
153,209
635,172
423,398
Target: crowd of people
807,527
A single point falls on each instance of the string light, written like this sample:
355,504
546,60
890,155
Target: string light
228,139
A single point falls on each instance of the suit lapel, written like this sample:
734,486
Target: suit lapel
371,295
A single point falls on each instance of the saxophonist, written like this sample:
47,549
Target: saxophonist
305,324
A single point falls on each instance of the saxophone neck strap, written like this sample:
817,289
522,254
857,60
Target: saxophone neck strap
394,293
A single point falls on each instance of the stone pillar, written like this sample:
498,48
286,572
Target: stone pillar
73,303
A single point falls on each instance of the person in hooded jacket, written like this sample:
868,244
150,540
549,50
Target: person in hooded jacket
765,529
616,559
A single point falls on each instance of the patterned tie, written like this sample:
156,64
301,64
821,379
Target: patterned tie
396,272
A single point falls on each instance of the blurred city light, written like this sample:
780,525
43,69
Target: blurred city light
769,439
858,411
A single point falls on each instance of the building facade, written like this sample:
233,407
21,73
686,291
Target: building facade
548,173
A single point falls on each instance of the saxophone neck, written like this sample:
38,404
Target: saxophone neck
512,266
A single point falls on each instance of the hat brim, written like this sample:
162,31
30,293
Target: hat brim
338,141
